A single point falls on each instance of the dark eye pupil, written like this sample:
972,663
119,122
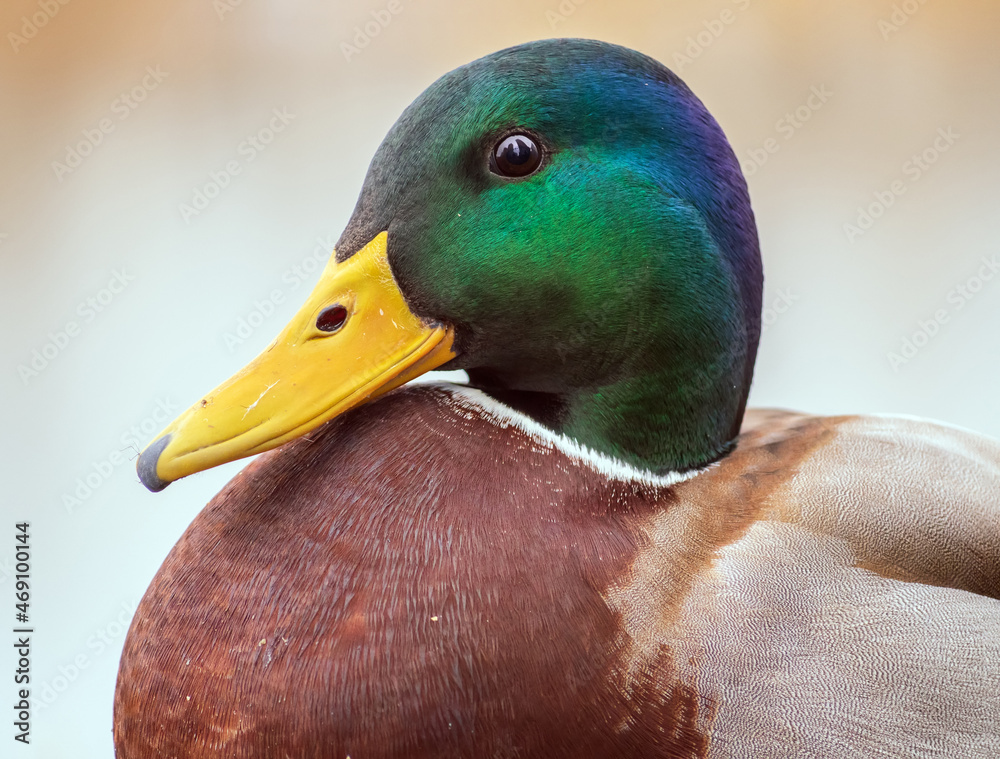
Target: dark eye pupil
516,156
331,319
516,151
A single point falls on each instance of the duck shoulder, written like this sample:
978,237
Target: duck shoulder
915,500
855,613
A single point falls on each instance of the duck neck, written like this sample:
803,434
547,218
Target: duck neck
653,422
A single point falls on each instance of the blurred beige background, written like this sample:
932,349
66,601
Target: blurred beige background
868,129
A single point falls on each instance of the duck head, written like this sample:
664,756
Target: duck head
565,221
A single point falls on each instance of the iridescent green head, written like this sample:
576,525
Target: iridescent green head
612,291
564,220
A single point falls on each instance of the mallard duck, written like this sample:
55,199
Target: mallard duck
589,550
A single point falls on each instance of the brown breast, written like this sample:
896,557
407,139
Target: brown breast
413,581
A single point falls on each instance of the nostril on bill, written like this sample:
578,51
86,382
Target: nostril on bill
332,318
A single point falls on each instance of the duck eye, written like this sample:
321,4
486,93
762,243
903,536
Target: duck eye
515,156
331,319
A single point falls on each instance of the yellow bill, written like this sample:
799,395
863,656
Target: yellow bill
353,340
